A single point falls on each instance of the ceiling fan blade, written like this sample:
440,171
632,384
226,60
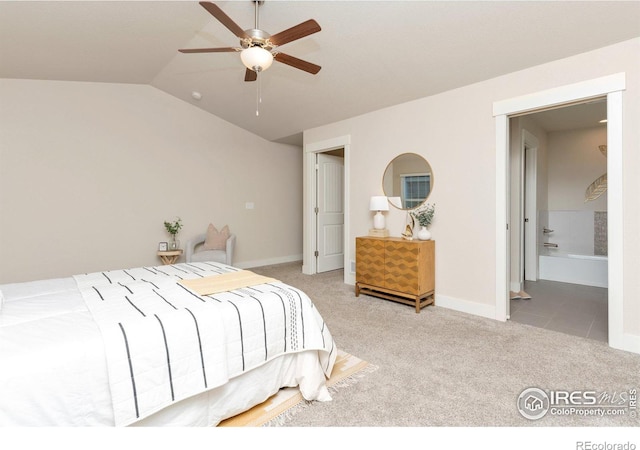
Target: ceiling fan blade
297,63
297,32
208,50
250,75
225,20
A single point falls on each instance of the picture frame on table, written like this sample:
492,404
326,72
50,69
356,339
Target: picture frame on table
163,246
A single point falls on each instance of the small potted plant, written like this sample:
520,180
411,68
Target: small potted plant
424,215
173,228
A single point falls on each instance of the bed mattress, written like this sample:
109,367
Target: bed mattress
55,370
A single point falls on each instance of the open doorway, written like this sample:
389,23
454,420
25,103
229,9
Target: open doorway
334,152
611,86
559,246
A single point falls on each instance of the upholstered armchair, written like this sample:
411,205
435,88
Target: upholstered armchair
196,254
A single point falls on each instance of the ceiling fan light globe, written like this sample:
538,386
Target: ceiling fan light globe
256,58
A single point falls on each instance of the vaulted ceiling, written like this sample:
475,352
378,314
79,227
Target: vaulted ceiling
373,54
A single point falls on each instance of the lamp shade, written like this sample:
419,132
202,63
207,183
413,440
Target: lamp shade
256,58
379,203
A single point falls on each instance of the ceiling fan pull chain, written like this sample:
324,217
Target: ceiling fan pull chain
258,97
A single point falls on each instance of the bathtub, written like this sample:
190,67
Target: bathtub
588,270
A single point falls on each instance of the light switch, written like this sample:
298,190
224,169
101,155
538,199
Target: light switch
248,205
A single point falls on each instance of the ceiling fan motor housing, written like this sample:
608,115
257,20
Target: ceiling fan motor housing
257,38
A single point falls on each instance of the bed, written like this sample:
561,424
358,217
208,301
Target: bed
179,345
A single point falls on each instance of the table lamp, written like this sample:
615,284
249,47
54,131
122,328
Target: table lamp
378,203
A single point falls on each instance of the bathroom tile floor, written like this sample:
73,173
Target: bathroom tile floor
568,308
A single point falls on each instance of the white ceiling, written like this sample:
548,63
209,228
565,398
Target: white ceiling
573,117
373,54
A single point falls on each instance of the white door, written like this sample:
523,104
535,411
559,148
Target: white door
330,213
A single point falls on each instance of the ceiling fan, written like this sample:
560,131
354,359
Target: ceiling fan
258,48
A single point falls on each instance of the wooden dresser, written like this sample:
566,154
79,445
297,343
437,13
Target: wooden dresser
396,269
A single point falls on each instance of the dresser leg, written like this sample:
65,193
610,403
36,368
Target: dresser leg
357,290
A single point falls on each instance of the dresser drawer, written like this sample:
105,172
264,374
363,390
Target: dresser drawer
369,261
401,267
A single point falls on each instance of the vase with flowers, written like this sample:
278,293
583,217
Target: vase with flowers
173,228
424,215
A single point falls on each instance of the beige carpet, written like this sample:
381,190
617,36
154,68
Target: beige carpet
444,368
282,406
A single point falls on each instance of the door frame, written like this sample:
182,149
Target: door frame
529,241
522,186
309,195
325,263
612,87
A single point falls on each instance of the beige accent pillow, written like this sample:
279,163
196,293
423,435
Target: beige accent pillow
216,240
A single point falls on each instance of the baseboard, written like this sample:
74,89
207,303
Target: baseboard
350,279
628,342
631,343
477,309
268,262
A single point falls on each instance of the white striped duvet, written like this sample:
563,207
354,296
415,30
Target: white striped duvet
164,343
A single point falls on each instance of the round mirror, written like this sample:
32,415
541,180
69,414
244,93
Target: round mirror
407,181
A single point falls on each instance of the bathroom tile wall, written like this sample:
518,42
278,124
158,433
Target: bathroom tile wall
600,233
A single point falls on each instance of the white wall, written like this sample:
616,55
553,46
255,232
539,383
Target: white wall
90,171
576,153
455,132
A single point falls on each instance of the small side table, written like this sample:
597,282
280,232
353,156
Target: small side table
170,257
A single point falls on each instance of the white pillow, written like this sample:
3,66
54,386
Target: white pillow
1,300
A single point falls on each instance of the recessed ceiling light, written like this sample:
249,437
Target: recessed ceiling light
196,95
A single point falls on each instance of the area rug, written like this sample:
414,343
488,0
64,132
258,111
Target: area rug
347,370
